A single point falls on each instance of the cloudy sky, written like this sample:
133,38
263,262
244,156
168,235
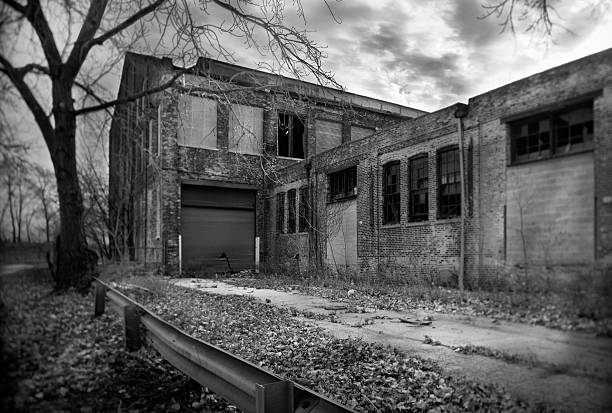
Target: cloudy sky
431,54
426,54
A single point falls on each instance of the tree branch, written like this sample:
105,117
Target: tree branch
124,25
36,17
41,118
131,98
91,24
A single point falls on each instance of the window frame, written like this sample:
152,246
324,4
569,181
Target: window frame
552,147
291,211
415,189
304,209
342,185
392,201
443,212
290,136
280,212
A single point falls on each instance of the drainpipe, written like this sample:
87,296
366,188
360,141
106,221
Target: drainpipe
377,205
461,112
308,167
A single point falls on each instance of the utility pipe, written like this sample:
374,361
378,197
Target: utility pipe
461,112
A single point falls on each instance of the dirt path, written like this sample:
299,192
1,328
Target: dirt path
571,371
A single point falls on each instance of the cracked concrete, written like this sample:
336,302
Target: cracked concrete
569,370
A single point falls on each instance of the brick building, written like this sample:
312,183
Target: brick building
233,166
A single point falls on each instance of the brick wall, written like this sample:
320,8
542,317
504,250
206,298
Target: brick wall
425,247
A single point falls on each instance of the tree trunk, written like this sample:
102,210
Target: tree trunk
74,261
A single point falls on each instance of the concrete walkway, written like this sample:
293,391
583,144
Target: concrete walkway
571,371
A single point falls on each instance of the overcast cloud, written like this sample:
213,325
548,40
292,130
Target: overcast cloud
426,54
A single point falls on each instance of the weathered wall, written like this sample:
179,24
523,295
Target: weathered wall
574,193
550,208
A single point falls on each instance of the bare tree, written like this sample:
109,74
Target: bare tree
535,16
68,63
42,185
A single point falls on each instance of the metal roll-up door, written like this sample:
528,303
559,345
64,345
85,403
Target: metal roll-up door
215,222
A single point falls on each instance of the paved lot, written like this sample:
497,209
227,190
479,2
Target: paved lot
572,371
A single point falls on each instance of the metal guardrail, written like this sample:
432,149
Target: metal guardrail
249,387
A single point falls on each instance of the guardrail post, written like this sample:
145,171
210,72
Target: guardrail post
132,328
274,397
100,299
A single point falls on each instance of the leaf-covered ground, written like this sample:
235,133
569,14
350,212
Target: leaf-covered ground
364,376
587,313
56,358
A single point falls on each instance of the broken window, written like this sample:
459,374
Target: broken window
290,142
291,199
391,193
419,190
449,183
304,209
559,132
197,122
246,129
342,185
280,212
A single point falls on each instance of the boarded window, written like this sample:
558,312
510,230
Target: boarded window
291,199
543,136
304,209
290,142
197,122
391,193
419,190
358,132
342,185
280,212
329,135
449,204
246,129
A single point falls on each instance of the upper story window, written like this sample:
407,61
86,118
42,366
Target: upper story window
304,209
543,136
391,193
291,199
280,212
342,185
197,122
419,188
449,183
245,129
290,142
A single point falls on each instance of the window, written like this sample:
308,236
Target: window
280,212
246,129
304,209
290,136
560,132
342,185
197,122
391,193
291,194
419,192
449,183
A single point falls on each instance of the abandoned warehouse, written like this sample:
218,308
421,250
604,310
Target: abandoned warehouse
233,168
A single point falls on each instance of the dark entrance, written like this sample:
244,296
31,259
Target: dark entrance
214,221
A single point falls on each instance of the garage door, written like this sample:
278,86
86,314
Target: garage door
215,222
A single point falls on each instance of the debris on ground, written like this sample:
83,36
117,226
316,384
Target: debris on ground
363,376
56,358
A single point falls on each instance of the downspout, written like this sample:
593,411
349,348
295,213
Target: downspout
461,112
307,167
377,203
